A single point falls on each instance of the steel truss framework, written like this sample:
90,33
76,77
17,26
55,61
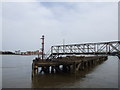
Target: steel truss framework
103,48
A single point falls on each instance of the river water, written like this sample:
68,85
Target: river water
17,73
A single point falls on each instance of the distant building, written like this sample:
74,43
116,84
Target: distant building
31,52
17,52
37,52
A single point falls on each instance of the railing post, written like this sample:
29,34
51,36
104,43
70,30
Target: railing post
51,49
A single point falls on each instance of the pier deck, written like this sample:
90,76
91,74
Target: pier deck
65,64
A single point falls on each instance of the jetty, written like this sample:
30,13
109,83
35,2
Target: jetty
74,57
70,64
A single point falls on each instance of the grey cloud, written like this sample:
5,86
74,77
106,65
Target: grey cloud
25,23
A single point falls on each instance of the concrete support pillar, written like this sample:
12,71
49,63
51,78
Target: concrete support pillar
86,64
78,66
52,69
74,67
57,69
71,68
68,68
82,66
36,69
46,69
89,64
92,62
42,69
64,68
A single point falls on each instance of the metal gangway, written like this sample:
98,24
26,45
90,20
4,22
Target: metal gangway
102,48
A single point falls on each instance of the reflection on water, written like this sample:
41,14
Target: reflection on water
58,80
17,74
54,81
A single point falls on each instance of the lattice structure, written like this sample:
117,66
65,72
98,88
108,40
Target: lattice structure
103,48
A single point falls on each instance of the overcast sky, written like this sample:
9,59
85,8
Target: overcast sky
24,23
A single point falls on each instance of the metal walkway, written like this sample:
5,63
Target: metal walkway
102,48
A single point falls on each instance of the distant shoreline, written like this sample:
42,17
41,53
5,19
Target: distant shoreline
16,54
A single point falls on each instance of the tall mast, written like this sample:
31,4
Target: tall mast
42,47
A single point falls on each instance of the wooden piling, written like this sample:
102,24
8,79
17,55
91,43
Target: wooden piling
68,64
